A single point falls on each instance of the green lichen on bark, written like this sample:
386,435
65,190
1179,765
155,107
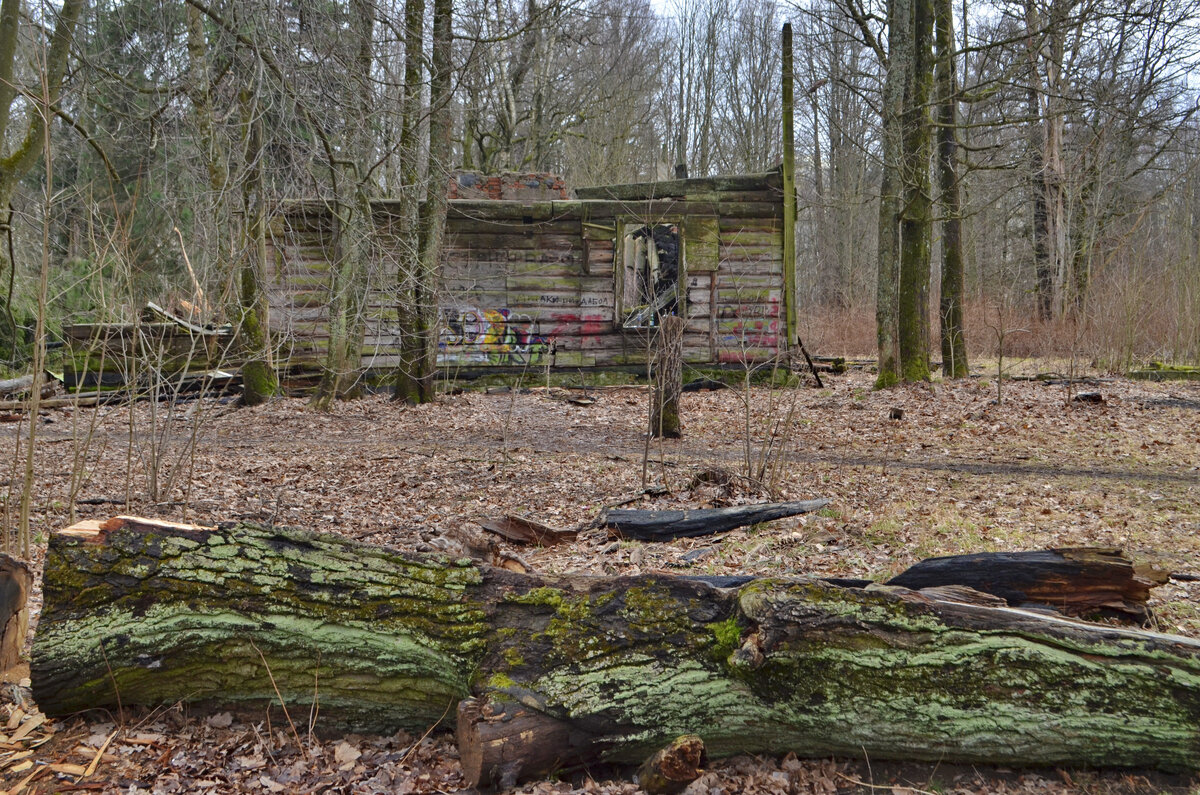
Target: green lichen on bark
390,640
371,631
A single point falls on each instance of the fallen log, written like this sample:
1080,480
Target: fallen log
608,668
1086,582
669,525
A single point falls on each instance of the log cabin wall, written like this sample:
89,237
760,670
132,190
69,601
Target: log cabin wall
541,283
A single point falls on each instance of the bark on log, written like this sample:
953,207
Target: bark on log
15,583
389,640
669,525
1087,582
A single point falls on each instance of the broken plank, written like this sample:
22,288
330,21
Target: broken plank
668,525
524,530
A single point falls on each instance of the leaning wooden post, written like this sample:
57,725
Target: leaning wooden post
789,193
668,378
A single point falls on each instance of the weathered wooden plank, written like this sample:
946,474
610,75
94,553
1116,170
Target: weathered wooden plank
745,238
701,243
733,280
746,295
518,241
580,300
460,228
734,224
769,180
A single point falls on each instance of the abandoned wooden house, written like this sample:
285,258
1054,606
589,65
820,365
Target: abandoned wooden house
537,275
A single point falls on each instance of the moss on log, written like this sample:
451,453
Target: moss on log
390,640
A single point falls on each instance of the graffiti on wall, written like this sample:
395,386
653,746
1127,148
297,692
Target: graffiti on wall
473,336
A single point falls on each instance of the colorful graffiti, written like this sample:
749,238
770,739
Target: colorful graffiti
473,336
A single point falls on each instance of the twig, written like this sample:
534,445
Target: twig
860,783
316,705
271,676
428,732
91,768
112,676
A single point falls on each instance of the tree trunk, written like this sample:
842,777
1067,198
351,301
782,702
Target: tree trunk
608,668
950,314
916,217
352,190
433,211
416,381
408,386
259,379
18,159
668,379
887,293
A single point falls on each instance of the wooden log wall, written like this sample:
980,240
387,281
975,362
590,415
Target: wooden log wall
533,284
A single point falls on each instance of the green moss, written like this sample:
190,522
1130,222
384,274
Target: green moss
513,657
728,637
546,596
499,681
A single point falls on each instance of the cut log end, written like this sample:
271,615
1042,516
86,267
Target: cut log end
502,742
671,769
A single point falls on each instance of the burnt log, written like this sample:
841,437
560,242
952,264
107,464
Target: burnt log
669,525
609,668
1086,582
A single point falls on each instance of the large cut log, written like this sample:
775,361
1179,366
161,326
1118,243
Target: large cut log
668,525
608,668
1087,582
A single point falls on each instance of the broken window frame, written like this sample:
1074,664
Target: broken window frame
634,309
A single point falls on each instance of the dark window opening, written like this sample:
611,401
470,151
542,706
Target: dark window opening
650,274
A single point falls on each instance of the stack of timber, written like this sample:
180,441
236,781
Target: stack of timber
566,670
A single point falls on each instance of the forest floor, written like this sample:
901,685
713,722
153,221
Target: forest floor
959,472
